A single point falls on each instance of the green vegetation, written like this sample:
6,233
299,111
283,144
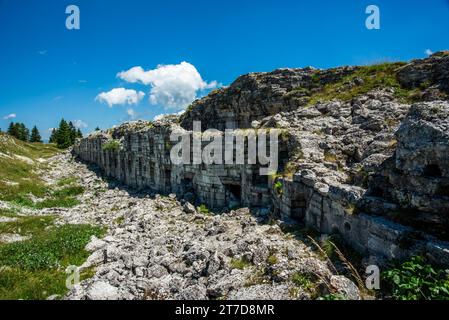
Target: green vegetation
21,183
417,280
272,260
361,81
112,145
203,209
119,220
278,187
66,135
330,157
35,268
240,264
19,131
304,281
25,225
35,135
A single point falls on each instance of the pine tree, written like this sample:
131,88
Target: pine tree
23,133
72,131
12,129
35,135
63,136
97,129
79,134
53,136
19,131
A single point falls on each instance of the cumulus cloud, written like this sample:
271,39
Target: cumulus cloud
172,86
120,96
10,116
79,124
428,52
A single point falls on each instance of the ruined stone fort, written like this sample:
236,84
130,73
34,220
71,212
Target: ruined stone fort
359,155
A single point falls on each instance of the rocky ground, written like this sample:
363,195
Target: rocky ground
157,248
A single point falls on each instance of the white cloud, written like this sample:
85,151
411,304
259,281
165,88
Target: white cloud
172,86
428,52
42,52
10,116
79,124
120,96
131,113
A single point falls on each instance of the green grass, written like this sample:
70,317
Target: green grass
19,178
31,285
56,247
303,281
373,77
67,181
240,264
26,225
35,268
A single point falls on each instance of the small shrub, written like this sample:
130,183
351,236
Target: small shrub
203,209
112,145
278,187
416,280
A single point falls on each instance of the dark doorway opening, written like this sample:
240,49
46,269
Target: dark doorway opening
432,170
235,191
167,178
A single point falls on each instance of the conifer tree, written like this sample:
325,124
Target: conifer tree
12,129
35,135
63,136
53,136
72,134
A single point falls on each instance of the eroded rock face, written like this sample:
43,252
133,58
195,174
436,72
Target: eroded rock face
416,178
256,95
431,71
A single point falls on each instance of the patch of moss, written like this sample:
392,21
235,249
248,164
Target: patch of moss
240,264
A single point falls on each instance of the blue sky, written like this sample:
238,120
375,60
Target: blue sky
49,72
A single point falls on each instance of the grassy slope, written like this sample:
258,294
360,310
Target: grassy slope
21,182
361,81
35,268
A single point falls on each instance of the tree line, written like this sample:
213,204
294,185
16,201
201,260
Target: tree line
20,131
64,136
